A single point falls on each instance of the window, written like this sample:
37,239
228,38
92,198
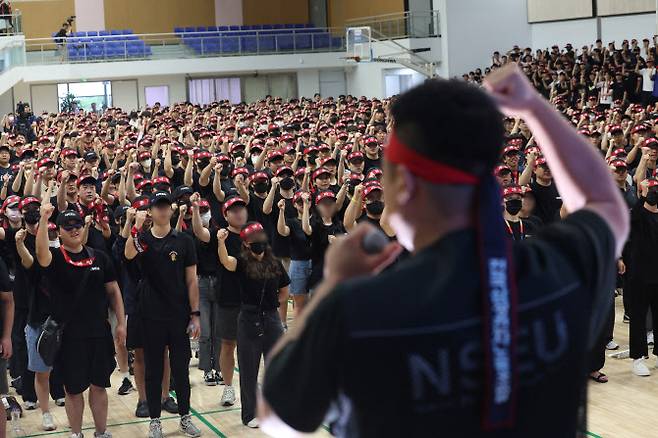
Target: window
87,93
206,91
155,94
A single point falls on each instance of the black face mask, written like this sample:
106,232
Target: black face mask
312,158
32,217
258,247
260,187
375,207
287,183
175,160
652,199
513,206
238,155
225,171
203,163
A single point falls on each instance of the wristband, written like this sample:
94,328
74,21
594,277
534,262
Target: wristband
134,231
195,313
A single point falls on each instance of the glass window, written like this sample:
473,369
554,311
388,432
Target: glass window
86,94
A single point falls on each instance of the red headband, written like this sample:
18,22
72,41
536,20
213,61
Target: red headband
251,229
424,167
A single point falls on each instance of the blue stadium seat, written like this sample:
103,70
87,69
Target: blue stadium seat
115,32
81,34
266,43
202,29
277,26
302,41
212,28
230,44
337,43
298,26
245,27
284,42
267,26
222,28
190,29
234,28
127,31
249,43
257,26
178,30
321,40
92,33
288,26
103,33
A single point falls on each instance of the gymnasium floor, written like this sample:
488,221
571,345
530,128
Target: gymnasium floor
622,408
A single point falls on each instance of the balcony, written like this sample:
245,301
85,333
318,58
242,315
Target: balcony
416,24
189,43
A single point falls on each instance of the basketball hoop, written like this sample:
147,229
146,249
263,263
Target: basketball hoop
352,58
358,44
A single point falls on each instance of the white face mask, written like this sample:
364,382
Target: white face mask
254,158
13,214
53,243
146,163
205,219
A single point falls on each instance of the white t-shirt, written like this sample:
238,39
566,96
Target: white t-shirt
647,83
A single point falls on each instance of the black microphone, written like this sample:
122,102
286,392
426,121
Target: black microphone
374,241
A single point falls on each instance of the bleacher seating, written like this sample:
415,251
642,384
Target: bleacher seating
106,44
257,38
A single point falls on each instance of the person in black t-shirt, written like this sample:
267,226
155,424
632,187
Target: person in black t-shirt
300,249
410,323
235,214
168,305
517,228
264,294
82,283
548,201
7,321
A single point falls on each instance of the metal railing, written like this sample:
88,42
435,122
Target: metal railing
415,24
127,47
11,24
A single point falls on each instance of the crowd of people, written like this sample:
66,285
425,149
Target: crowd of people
201,221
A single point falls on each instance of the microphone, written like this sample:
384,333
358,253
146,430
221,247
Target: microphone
374,241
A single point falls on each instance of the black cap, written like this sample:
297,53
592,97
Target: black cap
5,146
161,197
182,191
91,156
120,212
69,217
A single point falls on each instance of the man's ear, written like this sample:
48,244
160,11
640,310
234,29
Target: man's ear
407,185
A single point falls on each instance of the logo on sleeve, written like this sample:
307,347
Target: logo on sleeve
173,255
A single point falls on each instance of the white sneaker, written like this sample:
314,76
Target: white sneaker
30,406
650,338
47,422
155,429
60,402
612,345
188,428
253,423
77,435
640,368
228,397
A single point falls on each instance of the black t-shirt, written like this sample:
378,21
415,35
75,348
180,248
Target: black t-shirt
300,243
208,260
162,292
370,163
643,243
87,318
25,280
229,288
548,202
261,293
410,323
320,243
5,286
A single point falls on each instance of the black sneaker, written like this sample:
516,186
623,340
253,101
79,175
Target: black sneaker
142,410
126,387
170,405
209,378
219,378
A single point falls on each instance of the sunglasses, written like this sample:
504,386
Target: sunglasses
72,226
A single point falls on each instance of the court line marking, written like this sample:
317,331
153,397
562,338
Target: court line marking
201,418
594,435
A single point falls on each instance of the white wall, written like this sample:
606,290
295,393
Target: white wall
228,12
177,85
332,83
125,95
7,102
628,27
308,82
474,29
90,15
576,32
44,98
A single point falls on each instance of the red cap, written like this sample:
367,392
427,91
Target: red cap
250,230
327,194
540,161
297,196
143,155
51,226
639,128
320,171
259,176
139,203
502,168
240,171
204,203
512,190
650,142
202,154
28,200
310,149
142,183
161,180
13,199
619,151
272,155
44,162
355,154
511,148
371,188
619,163
231,202
375,172
615,129
652,182
68,152
283,169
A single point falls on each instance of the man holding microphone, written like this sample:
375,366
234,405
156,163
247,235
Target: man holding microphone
483,336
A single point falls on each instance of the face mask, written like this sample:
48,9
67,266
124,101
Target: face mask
175,161
312,157
652,198
513,206
254,158
53,243
32,217
260,187
13,214
203,163
146,163
287,183
225,171
205,219
375,208
258,247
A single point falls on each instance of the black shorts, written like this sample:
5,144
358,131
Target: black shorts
134,335
228,323
84,362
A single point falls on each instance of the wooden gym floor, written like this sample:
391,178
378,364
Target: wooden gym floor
622,408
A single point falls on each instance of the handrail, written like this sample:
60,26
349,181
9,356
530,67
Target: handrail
11,24
415,24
